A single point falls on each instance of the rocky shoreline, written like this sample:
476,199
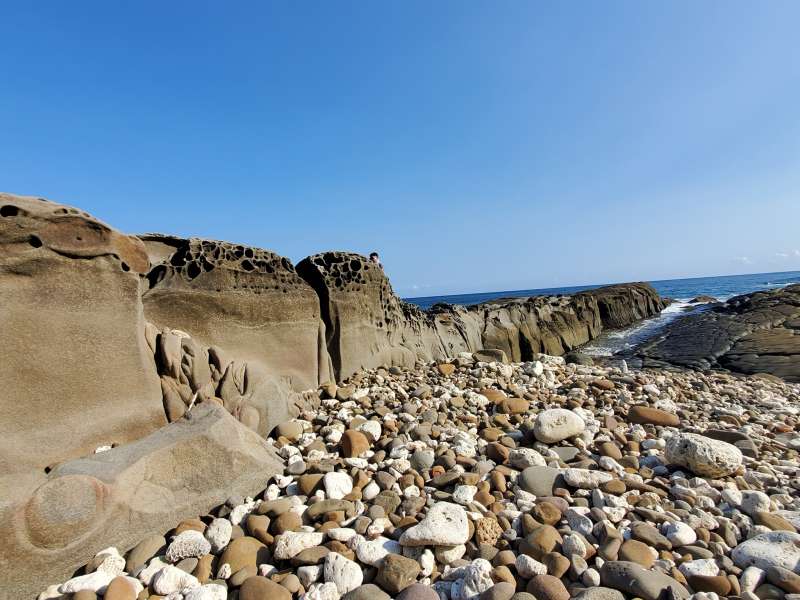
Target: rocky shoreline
753,333
468,479
193,419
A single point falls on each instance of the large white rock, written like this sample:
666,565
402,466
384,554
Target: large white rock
309,574
464,494
154,566
528,566
321,591
188,544
346,574
96,582
754,501
773,549
219,534
109,561
702,455
337,485
679,534
447,554
445,524
701,566
211,591
522,458
586,479
556,424
171,579
291,543
477,578
372,552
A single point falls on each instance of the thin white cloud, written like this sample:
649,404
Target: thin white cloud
745,260
796,253
782,255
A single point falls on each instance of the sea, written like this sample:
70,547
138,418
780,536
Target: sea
680,290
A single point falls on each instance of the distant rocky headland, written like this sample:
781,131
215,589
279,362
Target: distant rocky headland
196,419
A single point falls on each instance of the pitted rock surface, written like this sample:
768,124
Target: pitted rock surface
245,300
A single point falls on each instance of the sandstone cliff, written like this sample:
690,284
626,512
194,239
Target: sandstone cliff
367,325
73,329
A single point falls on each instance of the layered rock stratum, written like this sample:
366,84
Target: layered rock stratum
753,333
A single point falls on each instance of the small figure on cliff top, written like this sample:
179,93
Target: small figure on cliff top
373,257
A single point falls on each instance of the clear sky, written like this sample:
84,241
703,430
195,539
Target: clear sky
477,145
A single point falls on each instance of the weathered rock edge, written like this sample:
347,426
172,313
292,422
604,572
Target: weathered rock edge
339,314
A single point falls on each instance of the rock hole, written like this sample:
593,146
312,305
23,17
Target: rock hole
125,267
193,270
9,211
35,242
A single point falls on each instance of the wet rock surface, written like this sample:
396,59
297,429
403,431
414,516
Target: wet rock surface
753,333
447,494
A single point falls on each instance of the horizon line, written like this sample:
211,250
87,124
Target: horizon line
595,285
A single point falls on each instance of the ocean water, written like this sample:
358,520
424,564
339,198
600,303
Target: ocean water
680,290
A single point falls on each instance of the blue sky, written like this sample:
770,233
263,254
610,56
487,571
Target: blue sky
477,145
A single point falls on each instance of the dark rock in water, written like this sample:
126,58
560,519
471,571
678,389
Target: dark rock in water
578,358
753,333
703,300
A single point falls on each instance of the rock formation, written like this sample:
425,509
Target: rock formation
191,372
248,301
367,325
120,496
753,333
73,329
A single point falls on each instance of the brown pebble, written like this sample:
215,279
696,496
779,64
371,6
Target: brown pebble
547,587
261,588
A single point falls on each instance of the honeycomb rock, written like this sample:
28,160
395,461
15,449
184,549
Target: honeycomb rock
248,301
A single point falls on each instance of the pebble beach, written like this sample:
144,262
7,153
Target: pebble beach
465,479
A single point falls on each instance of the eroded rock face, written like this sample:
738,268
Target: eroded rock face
73,329
363,317
367,325
120,496
191,373
753,333
248,301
